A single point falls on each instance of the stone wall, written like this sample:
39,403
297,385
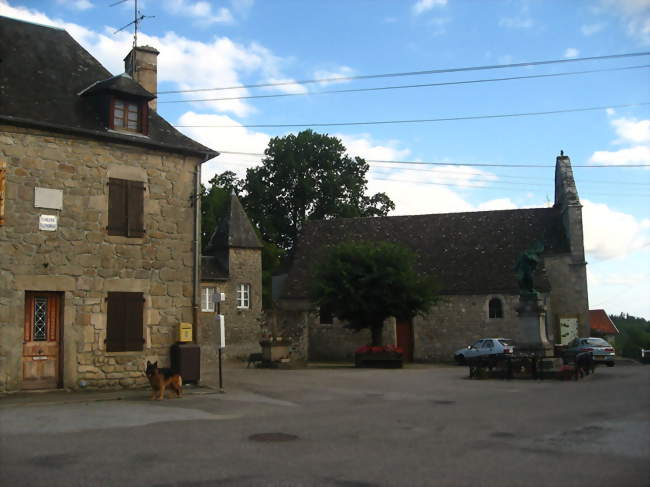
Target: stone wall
243,326
458,321
81,261
455,322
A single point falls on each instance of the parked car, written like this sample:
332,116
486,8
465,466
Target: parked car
485,347
601,350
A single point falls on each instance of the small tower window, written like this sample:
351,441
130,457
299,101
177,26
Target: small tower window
495,308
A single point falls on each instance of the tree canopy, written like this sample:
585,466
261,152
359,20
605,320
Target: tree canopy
363,283
307,176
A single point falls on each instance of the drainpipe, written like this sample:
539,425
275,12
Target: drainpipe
196,293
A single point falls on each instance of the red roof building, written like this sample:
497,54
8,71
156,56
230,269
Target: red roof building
601,324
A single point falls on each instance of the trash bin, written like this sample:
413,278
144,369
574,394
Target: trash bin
186,360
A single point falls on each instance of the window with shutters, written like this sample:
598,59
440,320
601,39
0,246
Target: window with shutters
126,207
124,322
127,115
3,175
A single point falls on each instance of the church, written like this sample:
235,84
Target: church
472,255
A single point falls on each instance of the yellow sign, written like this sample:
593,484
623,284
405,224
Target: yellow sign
185,332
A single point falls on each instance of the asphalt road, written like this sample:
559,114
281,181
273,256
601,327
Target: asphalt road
424,425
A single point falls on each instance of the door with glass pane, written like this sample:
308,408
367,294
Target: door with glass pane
41,340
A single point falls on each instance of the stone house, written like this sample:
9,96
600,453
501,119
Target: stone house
99,247
472,255
232,264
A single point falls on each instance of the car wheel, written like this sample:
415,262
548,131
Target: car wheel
460,359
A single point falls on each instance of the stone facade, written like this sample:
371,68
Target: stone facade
473,255
82,262
243,326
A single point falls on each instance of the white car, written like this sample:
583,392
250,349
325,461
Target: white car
485,347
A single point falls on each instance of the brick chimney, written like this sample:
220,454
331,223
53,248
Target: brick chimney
142,65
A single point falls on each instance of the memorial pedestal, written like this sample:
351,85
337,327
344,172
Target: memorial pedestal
532,326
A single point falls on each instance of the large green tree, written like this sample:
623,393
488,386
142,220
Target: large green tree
307,176
214,202
363,283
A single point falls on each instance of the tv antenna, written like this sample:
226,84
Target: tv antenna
137,18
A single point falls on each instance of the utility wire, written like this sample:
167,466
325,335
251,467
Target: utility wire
469,164
397,87
375,167
412,73
422,120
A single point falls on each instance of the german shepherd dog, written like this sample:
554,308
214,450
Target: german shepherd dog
161,378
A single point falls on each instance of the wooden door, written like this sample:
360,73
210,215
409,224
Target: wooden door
404,332
41,340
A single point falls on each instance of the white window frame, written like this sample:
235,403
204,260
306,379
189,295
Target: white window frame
207,299
243,296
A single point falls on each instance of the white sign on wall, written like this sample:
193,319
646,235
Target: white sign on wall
48,198
49,223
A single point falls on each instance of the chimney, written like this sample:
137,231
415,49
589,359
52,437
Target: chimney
142,65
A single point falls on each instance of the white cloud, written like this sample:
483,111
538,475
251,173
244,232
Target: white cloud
591,29
340,72
571,52
497,204
610,234
238,139
200,10
422,6
76,4
634,155
364,146
632,131
635,15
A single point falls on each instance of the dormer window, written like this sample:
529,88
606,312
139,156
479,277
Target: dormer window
128,115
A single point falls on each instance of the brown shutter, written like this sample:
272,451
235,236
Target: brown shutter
116,322
117,204
134,306
135,209
124,322
144,118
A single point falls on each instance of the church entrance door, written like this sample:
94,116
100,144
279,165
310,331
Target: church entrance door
404,332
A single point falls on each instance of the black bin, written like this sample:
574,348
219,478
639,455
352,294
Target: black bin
186,360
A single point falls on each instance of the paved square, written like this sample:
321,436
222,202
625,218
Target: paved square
338,426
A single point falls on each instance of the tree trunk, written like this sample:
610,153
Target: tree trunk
376,334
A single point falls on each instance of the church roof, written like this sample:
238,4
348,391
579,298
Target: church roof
43,74
469,253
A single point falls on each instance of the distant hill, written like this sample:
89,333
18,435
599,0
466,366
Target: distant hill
635,335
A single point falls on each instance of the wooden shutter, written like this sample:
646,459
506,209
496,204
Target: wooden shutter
116,323
124,322
117,204
134,313
135,209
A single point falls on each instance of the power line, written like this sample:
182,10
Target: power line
455,164
411,73
473,185
397,87
422,120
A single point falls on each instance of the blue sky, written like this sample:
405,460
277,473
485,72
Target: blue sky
230,43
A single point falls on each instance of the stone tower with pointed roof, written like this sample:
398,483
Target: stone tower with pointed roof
232,264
